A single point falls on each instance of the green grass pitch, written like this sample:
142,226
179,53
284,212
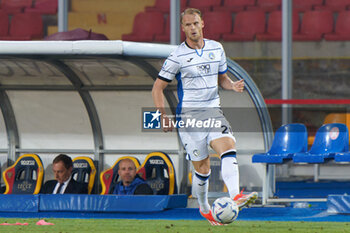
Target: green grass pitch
151,226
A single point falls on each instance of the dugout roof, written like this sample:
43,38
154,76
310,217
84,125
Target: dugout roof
86,97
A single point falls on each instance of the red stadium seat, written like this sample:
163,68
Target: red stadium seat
274,27
216,24
314,24
48,7
334,5
342,28
204,5
4,24
25,176
234,5
164,6
266,5
165,37
146,26
109,178
246,25
306,5
15,6
25,26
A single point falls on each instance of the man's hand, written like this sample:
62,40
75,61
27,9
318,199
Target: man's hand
238,86
226,83
167,123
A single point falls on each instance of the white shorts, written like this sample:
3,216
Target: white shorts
196,141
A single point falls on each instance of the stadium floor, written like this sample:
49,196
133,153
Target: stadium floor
248,214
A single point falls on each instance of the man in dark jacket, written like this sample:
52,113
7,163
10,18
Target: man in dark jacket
62,167
130,183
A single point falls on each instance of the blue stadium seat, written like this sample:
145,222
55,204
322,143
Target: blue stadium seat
289,139
342,157
330,140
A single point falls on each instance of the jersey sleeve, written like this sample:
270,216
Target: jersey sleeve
223,62
170,68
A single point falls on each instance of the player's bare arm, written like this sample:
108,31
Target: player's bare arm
158,99
226,83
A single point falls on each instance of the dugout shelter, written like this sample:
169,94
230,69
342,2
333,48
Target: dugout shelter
86,98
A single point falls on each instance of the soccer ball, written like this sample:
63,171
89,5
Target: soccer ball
224,210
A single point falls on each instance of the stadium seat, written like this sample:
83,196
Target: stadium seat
25,26
314,25
342,157
234,5
330,140
216,24
305,5
109,177
334,5
47,7
25,176
158,171
266,5
84,171
204,5
165,37
274,27
4,24
343,118
146,31
164,6
246,25
342,28
15,6
289,139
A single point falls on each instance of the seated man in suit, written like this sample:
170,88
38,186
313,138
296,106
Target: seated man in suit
62,167
130,183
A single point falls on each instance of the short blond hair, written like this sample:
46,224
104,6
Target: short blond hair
190,11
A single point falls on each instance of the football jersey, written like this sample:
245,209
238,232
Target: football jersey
196,71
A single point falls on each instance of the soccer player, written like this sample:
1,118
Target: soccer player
199,65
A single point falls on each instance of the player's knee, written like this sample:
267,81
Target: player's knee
202,166
221,145
204,169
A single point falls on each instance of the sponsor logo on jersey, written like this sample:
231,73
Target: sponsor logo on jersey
204,69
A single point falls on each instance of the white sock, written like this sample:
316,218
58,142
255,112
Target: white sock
200,187
229,172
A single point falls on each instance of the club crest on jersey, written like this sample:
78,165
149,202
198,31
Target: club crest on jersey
211,56
204,69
